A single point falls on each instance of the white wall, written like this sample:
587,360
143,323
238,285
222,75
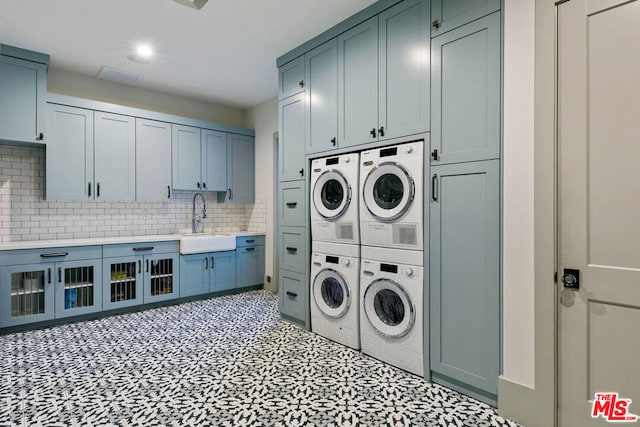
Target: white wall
518,237
72,84
264,119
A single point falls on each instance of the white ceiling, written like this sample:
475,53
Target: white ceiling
224,53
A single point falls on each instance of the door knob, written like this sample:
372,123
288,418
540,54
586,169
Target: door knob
571,278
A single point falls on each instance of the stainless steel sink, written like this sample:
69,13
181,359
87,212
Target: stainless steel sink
201,243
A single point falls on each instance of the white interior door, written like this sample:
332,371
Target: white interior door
599,210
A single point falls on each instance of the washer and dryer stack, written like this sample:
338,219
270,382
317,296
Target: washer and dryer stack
335,257
367,275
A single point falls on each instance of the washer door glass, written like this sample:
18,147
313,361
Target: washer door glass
388,191
331,293
389,308
331,195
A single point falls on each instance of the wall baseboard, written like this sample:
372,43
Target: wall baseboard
516,402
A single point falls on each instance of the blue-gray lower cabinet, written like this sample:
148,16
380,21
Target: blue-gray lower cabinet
250,261
464,281
209,272
40,285
294,304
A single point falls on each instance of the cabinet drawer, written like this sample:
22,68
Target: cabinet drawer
293,294
293,248
32,256
242,241
144,248
292,203
291,78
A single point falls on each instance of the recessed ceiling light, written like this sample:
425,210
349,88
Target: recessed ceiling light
195,4
142,54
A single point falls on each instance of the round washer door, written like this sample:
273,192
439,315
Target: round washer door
331,195
388,191
331,293
389,308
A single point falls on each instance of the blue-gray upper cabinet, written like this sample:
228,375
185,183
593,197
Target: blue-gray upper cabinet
449,14
240,169
23,90
115,156
404,66
185,158
291,78
383,76
153,160
358,84
321,66
291,144
69,153
465,93
464,247
214,160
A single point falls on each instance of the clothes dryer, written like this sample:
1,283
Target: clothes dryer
334,292
391,211
334,199
392,307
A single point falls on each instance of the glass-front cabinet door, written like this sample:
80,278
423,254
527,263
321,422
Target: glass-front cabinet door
122,282
161,277
77,287
26,294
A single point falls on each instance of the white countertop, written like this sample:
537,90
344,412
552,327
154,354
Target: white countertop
47,244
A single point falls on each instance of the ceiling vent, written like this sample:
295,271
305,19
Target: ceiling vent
119,76
195,4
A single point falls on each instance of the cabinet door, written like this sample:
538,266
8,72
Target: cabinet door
194,274
78,287
465,274
293,248
214,160
69,153
222,271
293,203
185,158
27,294
161,277
122,282
291,78
250,267
23,85
291,144
449,14
153,160
404,60
241,169
465,93
358,84
115,156
294,303
321,66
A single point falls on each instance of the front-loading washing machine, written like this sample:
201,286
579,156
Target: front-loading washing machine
391,211
334,199
392,307
334,291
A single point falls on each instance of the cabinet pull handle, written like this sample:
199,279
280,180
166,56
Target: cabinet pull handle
250,249
198,185
143,248
381,131
435,24
204,185
213,262
333,141
292,204
89,191
301,83
206,263
60,275
292,249
301,172
139,266
147,266
434,187
54,254
230,194
168,191
373,132
292,294
250,240
98,190
40,137
434,154
49,274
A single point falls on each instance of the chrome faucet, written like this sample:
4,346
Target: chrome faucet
198,218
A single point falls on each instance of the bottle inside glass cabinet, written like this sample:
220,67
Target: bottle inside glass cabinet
161,276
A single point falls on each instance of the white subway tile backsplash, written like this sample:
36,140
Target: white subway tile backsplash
25,215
